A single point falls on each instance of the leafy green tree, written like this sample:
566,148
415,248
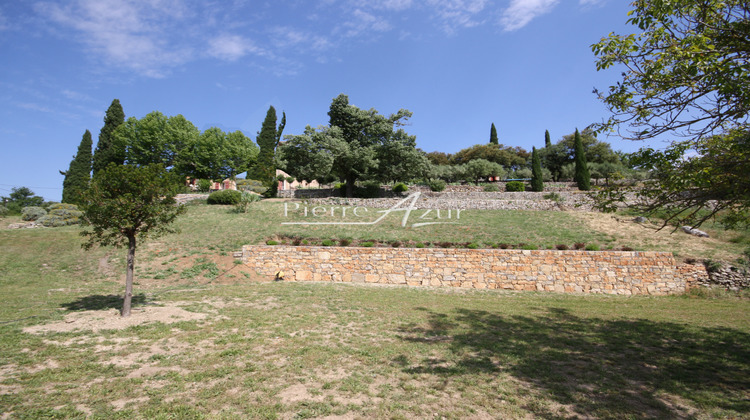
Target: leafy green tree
400,160
362,132
537,177
155,138
493,134
21,197
215,154
78,175
268,139
108,149
582,176
547,141
479,169
509,157
128,203
439,158
308,155
685,73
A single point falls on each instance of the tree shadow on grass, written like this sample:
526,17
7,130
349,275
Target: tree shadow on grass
596,367
100,302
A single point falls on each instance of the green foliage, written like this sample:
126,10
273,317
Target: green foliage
537,177
246,198
307,155
251,185
493,134
436,185
367,244
592,247
328,242
268,139
479,169
21,197
685,70
3,211
547,140
272,242
400,188
78,175
400,160
553,196
32,213
158,139
509,157
369,189
215,154
204,185
108,148
61,214
581,176
126,203
224,197
491,188
515,186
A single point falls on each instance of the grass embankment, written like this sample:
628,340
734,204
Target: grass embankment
283,350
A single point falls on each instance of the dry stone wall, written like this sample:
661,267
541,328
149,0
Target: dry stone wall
622,273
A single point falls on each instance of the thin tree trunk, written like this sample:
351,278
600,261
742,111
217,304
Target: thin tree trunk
127,300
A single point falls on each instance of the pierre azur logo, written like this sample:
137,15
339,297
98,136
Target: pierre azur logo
342,214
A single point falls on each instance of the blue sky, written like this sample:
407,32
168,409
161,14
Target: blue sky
458,65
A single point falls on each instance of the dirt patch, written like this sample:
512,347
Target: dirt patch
110,319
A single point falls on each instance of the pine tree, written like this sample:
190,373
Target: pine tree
547,141
537,181
268,139
582,176
107,149
493,134
78,174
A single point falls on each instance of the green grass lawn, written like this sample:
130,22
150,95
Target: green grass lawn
292,350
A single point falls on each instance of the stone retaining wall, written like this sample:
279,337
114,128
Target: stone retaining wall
610,272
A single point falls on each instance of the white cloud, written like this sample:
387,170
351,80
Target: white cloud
456,14
131,34
232,47
521,12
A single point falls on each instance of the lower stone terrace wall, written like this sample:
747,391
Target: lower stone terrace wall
623,273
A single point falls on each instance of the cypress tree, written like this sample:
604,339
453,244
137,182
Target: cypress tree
493,134
582,176
78,174
537,181
107,150
547,141
268,139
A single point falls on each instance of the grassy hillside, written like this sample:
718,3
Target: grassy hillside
208,340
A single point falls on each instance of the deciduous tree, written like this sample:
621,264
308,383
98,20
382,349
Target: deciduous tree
125,204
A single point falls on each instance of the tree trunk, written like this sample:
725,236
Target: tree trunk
127,300
350,186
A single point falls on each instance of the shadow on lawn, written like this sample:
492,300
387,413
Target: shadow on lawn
595,367
99,302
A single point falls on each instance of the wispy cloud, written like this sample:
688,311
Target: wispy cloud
232,47
127,34
457,14
521,12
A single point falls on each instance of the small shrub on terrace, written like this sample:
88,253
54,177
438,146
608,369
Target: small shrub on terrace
419,245
592,247
515,186
225,197
627,248
32,213
530,247
491,188
553,196
472,246
436,185
344,242
246,198
579,245
204,185
400,187
367,244
561,247
444,244
327,242
503,246
272,242
369,189
395,244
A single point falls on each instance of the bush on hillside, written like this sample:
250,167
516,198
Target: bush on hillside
400,187
61,214
225,197
491,188
3,211
436,185
515,186
32,213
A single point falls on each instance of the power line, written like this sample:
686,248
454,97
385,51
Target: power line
39,188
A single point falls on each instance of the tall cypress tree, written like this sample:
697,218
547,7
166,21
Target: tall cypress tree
537,178
582,176
493,134
107,149
78,174
268,139
547,141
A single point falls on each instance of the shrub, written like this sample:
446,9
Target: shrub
491,188
225,197
344,242
419,245
61,214
553,196
246,198
251,185
579,245
515,186
327,242
400,187
204,185
395,244
369,189
32,213
436,185
472,246
3,211
561,247
367,244
503,246
592,247
530,247
272,242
